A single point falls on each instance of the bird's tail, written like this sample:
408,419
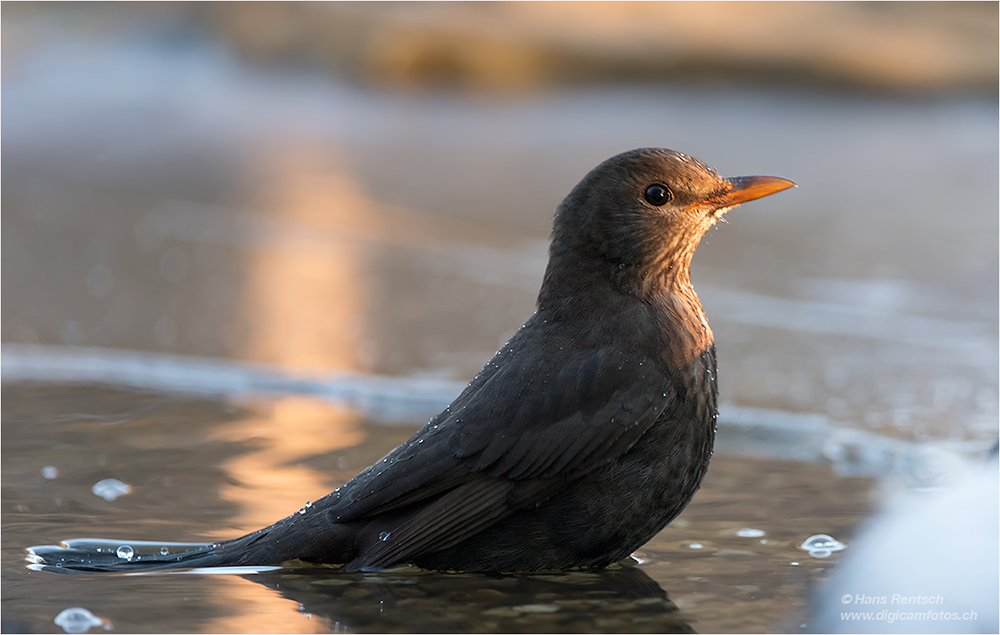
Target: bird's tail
96,555
295,537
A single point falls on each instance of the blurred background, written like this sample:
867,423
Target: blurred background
324,218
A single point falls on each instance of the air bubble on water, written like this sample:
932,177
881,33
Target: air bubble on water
746,532
696,545
125,552
822,545
50,472
384,536
78,620
110,488
164,551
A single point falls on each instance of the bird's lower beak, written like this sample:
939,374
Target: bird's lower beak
748,188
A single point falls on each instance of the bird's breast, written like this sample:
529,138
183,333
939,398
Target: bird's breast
683,332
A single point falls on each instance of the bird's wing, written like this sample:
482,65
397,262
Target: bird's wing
548,418
527,425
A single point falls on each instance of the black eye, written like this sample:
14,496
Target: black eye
658,195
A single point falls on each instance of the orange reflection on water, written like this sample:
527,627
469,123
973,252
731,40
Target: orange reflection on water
273,482
261,610
305,300
305,295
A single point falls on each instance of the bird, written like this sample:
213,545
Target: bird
579,440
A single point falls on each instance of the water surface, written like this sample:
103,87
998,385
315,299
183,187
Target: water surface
203,470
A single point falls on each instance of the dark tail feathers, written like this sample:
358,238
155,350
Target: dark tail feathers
124,556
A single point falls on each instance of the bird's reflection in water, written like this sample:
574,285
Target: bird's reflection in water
621,599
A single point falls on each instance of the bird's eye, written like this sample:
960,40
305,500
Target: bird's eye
658,195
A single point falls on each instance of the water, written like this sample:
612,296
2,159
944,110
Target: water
822,545
747,532
110,488
78,620
231,289
206,469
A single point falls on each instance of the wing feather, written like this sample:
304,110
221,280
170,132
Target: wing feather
519,432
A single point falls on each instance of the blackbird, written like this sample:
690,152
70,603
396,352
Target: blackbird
581,438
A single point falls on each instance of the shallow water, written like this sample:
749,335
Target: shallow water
232,288
203,470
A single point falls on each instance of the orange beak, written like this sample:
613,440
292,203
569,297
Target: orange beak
748,188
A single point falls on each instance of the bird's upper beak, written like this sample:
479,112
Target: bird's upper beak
747,188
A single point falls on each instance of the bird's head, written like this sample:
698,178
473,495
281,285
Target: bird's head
637,218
